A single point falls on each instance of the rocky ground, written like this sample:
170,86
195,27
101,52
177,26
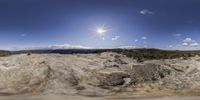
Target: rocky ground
106,75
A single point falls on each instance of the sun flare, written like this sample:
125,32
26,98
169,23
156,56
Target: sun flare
101,31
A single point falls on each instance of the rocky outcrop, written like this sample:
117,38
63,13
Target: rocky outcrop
96,75
148,72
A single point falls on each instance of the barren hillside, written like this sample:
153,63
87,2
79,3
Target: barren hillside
107,74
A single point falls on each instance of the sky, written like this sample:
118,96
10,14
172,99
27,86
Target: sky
164,24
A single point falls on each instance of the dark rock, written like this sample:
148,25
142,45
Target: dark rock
29,53
140,60
113,79
80,88
148,72
185,58
120,61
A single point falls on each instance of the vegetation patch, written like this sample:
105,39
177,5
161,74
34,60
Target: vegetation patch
4,53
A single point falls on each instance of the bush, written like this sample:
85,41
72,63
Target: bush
4,53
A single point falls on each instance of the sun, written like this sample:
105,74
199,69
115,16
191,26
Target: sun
101,31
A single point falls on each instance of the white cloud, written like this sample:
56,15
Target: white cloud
64,46
146,12
194,44
68,46
188,40
170,46
144,38
115,38
185,44
136,40
177,35
127,47
145,46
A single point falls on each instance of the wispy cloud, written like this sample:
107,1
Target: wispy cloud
103,38
170,46
177,35
146,12
144,38
128,47
185,44
22,35
145,46
62,46
194,44
115,38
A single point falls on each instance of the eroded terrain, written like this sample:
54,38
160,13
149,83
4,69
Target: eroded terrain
108,75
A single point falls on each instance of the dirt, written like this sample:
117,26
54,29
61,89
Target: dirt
100,76
54,97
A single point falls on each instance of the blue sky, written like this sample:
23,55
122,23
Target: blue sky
165,24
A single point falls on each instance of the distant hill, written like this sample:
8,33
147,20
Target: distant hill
58,51
141,53
4,53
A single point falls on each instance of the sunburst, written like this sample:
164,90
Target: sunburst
101,29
